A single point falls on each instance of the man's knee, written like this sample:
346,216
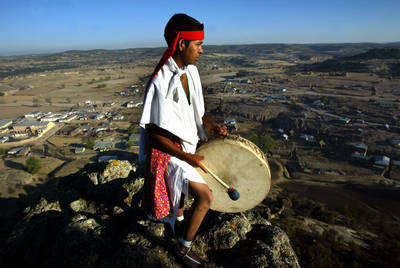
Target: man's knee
207,198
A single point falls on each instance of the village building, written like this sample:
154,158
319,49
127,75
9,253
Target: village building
68,118
19,151
32,126
395,142
99,116
103,145
76,131
307,137
231,124
360,148
132,104
381,162
33,114
318,103
134,139
345,120
79,150
118,117
385,104
268,99
108,104
86,128
5,123
107,158
19,135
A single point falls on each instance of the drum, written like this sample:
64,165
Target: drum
241,165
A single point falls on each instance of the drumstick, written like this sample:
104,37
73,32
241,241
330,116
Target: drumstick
232,192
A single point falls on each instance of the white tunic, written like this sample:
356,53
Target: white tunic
166,106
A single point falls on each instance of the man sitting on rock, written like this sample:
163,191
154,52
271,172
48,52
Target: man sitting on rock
172,123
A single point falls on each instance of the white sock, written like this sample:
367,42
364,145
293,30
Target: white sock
180,218
185,243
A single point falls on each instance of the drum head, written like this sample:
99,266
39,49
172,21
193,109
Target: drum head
241,165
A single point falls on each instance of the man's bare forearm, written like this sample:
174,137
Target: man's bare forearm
166,141
168,146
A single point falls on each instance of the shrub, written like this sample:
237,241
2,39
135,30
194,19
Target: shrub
132,129
264,142
33,164
89,143
101,86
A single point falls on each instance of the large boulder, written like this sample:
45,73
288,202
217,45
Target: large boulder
111,170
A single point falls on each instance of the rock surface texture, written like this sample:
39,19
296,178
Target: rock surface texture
94,218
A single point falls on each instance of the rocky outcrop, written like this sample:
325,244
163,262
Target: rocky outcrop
111,170
80,223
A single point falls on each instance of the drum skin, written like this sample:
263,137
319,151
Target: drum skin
241,165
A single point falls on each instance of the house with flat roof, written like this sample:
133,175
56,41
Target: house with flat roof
33,114
134,139
107,158
79,150
33,126
307,137
4,123
131,104
360,148
385,104
4,139
381,162
395,142
360,158
103,145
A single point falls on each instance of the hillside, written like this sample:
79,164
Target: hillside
380,61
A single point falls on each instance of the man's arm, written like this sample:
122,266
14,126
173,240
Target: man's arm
166,141
214,128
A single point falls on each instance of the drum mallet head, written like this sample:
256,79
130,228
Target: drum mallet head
233,193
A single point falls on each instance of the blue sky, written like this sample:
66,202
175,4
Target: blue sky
35,26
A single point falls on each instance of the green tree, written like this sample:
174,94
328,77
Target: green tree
101,86
35,102
264,142
48,100
33,164
2,151
88,142
325,99
132,129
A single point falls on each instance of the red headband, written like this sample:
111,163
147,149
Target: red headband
185,35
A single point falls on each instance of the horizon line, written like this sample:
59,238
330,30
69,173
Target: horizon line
57,51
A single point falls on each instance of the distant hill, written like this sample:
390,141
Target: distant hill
382,61
244,56
378,53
